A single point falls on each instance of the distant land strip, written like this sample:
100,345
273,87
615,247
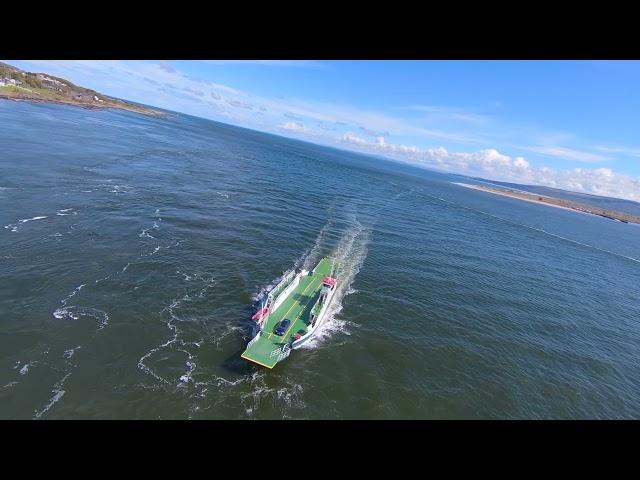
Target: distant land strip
16,84
556,202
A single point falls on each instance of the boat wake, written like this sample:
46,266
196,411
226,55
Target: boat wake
350,253
313,255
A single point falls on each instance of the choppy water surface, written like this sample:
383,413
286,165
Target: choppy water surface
132,249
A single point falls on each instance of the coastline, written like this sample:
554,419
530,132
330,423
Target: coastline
555,202
89,106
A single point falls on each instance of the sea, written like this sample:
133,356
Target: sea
135,249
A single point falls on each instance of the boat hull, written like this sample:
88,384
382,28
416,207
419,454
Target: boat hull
295,300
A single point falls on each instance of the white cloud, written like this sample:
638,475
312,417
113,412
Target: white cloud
295,127
490,163
164,86
269,63
568,153
351,138
634,152
450,114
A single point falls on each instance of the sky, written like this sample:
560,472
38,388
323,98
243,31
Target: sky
565,124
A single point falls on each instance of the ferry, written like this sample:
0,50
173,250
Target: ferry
292,313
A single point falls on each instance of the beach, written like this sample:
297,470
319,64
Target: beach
555,202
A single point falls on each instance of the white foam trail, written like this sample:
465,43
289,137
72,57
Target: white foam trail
142,366
307,260
77,290
582,244
69,353
350,254
120,189
10,384
31,219
313,255
25,368
171,309
145,234
14,228
57,392
191,366
75,312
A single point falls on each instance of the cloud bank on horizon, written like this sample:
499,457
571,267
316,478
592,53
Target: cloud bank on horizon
472,141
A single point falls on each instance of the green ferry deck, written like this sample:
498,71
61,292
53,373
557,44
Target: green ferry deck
296,307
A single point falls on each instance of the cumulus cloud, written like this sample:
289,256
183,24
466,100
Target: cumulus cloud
295,127
162,85
494,165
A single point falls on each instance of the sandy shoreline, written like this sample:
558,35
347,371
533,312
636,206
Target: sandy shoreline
507,194
596,211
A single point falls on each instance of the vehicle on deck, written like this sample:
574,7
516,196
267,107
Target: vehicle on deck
282,327
292,313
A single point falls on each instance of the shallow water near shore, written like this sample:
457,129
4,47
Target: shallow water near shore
133,249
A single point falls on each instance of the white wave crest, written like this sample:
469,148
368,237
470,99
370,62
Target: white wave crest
69,353
350,254
57,392
14,227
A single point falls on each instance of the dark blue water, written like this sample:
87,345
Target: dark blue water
132,249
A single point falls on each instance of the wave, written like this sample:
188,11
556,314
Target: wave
63,212
57,392
534,228
312,256
25,368
69,353
171,309
350,254
14,227
145,234
33,218
76,312
120,188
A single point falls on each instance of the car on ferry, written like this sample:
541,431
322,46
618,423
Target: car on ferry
282,327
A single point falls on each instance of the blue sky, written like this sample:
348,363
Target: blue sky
565,124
